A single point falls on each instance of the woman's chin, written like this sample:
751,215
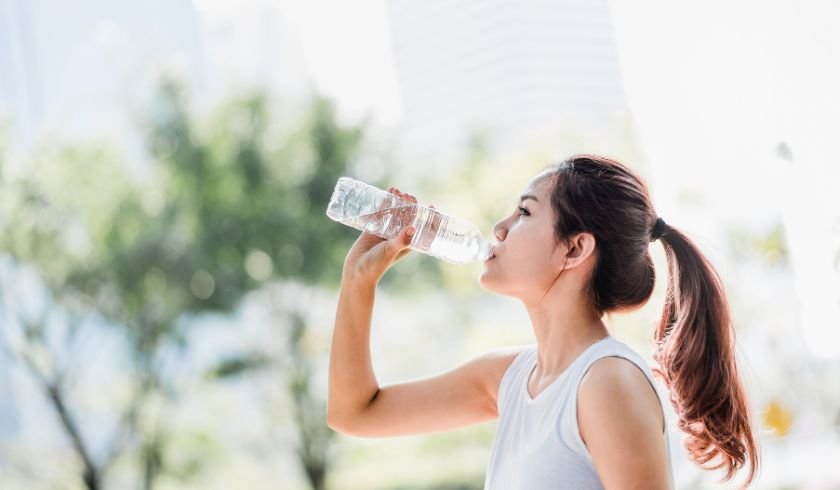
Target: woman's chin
488,283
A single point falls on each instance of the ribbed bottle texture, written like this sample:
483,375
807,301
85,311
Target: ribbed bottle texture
368,208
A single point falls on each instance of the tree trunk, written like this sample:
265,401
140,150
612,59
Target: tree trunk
91,476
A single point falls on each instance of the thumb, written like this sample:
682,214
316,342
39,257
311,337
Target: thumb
405,236
401,242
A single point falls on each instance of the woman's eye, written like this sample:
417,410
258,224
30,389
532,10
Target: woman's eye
523,211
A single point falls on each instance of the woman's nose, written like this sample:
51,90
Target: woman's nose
499,231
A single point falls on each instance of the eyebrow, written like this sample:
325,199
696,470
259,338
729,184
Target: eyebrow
528,196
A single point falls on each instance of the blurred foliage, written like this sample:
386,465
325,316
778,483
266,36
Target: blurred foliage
220,210
238,365
767,246
778,418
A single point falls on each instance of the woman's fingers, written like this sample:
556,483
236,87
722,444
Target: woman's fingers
410,198
404,195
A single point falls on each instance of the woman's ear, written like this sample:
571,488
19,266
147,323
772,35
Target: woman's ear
581,246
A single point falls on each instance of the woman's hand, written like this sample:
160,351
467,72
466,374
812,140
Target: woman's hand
371,256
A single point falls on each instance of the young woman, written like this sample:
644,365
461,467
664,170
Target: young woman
578,409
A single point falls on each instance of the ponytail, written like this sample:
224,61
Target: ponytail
695,350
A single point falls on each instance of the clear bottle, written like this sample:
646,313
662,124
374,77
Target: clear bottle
368,208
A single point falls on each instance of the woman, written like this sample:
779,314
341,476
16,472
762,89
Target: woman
578,409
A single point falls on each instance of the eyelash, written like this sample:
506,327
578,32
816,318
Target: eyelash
523,210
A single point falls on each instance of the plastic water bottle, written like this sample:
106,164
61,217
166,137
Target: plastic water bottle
368,208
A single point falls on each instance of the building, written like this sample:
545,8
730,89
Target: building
500,66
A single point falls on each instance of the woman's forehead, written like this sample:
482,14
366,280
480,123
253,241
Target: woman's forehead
539,185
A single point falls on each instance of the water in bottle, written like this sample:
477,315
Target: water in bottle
368,208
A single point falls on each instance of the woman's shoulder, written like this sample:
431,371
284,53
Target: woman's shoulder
621,420
612,347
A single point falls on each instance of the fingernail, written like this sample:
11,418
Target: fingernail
410,231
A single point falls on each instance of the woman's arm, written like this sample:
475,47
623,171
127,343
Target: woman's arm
352,382
358,406
622,424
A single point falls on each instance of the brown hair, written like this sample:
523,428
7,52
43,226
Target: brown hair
694,338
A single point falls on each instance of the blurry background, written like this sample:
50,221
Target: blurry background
168,277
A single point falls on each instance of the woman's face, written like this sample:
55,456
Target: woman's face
527,259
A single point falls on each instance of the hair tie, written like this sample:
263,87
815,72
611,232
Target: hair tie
658,229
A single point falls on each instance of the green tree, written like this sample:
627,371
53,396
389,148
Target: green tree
220,212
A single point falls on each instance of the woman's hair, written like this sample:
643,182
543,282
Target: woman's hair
694,338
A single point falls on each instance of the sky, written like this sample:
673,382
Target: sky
346,48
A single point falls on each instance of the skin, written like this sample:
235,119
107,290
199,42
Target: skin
619,415
548,278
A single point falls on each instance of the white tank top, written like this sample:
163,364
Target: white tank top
537,445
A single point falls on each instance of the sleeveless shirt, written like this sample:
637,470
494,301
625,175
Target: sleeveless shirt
537,445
